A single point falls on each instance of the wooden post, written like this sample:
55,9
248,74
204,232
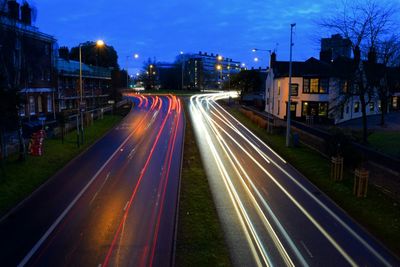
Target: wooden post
337,168
360,182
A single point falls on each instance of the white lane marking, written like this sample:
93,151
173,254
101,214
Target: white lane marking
306,248
65,212
101,187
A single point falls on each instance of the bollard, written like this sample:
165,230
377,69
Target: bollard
337,168
360,182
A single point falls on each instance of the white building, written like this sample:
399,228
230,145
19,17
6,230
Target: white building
318,91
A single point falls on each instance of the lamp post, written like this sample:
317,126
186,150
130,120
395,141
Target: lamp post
182,68
81,107
290,88
135,56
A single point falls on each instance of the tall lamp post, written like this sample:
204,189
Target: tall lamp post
135,56
182,68
290,88
99,43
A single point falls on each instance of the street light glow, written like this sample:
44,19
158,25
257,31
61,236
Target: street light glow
219,57
136,56
100,43
219,67
254,49
181,52
256,59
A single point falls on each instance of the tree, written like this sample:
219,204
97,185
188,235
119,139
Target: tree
364,24
388,53
98,56
245,81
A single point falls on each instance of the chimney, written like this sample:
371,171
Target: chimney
13,9
273,59
372,55
326,56
26,14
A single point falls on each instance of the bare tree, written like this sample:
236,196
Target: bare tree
388,55
365,24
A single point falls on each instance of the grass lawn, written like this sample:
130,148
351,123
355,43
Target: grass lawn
386,142
378,213
22,178
200,240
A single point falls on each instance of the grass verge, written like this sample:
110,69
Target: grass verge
386,142
200,240
20,179
378,213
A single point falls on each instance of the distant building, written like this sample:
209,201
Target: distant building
27,63
96,82
207,71
334,47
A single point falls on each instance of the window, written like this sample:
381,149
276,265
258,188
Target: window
356,107
323,86
294,89
380,105
315,86
49,104
40,107
279,89
305,109
394,102
323,109
306,85
372,106
32,108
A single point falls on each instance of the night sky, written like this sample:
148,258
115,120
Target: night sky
161,29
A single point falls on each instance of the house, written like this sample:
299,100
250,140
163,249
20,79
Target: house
320,90
27,62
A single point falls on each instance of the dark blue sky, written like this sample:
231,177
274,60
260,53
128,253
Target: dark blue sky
161,29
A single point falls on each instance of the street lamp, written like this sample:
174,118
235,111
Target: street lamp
290,87
81,107
182,67
135,56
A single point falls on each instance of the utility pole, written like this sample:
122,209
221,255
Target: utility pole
290,88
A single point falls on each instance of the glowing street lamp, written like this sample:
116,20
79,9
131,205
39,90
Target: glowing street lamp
136,56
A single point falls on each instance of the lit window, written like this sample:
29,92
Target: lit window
322,109
372,106
313,85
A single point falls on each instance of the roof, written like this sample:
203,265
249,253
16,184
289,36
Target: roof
310,67
71,68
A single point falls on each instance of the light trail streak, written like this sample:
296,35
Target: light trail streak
110,250
210,99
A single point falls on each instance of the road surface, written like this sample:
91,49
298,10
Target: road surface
271,214
115,205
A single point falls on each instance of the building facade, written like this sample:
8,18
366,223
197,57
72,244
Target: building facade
27,62
320,90
207,71
96,84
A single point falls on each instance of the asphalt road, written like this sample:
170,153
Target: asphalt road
115,205
271,214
